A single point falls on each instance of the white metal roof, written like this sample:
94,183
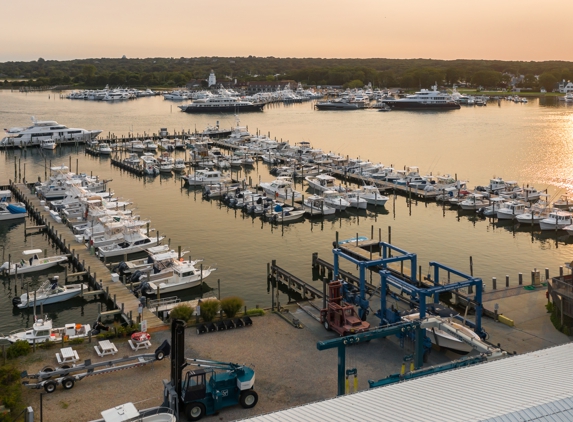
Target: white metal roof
536,386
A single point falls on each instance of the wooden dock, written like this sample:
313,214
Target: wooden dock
99,276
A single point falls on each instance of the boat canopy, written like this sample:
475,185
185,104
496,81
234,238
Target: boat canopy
32,251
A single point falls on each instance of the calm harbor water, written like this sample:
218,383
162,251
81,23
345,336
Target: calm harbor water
531,143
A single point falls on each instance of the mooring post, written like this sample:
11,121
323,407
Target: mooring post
546,274
494,282
507,280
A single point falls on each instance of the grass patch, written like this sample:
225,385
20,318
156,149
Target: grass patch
64,405
255,312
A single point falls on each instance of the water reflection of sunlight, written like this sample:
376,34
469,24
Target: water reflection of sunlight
550,155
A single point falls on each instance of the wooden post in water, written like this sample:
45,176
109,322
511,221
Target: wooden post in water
507,280
494,282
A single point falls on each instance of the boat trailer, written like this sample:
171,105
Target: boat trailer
66,376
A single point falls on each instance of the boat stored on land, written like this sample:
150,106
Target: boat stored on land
42,331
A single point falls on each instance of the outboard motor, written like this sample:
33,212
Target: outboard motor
135,276
156,269
120,268
150,260
16,301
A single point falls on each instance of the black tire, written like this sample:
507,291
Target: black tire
65,367
47,369
248,399
68,383
159,355
50,386
194,411
326,325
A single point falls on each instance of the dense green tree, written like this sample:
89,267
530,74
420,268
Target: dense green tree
547,80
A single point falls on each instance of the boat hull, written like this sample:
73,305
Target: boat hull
72,290
223,109
412,105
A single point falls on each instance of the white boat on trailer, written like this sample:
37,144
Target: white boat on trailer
34,263
49,292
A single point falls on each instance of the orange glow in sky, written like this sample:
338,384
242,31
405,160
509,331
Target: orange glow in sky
440,29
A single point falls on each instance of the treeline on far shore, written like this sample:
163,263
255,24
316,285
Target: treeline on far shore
173,72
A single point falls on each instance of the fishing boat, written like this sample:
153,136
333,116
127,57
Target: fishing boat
356,200
12,211
323,182
315,205
556,220
206,177
48,143
171,276
371,194
156,254
335,200
133,241
281,188
42,331
33,264
49,292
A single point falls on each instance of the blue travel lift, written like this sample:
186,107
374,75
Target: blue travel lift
390,320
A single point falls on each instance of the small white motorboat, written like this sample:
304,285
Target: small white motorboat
335,200
355,200
49,292
179,165
34,263
314,205
12,211
42,331
473,201
48,144
372,195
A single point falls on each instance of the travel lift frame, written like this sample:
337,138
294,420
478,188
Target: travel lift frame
415,328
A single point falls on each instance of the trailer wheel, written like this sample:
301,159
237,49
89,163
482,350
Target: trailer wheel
64,367
248,399
159,355
326,325
47,369
68,383
50,386
194,411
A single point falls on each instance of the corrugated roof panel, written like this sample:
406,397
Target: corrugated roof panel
515,389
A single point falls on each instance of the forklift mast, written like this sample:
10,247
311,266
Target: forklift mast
178,355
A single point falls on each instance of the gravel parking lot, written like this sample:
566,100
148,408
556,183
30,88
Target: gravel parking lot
290,371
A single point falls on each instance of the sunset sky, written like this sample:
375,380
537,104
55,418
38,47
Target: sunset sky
443,29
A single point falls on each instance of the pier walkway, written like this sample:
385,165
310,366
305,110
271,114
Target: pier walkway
98,274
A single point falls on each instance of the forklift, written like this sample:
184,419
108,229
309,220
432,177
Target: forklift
210,387
339,316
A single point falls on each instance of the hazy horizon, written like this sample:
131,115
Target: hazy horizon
489,30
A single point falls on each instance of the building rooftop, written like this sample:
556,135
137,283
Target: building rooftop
536,386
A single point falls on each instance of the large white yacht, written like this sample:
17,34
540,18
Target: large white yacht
425,100
220,103
43,130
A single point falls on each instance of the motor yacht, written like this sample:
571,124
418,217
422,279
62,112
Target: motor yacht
425,100
221,104
206,177
510,210
281,188
46,130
